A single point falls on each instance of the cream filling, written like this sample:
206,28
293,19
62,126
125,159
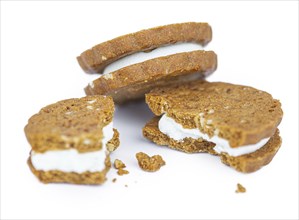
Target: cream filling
71,160
158,52
176,131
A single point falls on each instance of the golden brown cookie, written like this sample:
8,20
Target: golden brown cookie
97,58
238,123
245,163
240,114
71,140
132,82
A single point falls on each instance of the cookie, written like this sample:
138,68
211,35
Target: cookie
149,164
132,82
238,123
97,58
72,139
246,163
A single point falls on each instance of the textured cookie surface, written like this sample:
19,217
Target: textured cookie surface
150,164
101,55
133,81
245,163
240,114
71,124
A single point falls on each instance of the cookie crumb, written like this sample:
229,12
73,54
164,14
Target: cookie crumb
114,180
240,188
118,164
150,164
122,172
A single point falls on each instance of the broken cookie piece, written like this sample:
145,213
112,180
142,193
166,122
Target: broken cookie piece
122,172
150,164
119,165
240,188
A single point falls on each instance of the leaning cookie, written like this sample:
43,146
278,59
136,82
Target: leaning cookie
132,82
97,58
238,123
72,139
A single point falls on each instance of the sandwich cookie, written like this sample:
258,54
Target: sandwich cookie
237,123
97,58
132,82
72,139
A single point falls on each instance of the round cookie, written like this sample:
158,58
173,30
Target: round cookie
132,82
240,114
73,123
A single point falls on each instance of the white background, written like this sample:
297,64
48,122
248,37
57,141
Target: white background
257,45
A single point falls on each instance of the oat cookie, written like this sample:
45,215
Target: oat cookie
238,123
70,139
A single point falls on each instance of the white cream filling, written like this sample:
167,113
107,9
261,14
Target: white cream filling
176,131
158,52
71,160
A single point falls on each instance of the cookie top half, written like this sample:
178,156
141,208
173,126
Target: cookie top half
70,124
98,57
240,114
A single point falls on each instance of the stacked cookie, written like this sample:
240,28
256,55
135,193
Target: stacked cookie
132,82
71,140
238,123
